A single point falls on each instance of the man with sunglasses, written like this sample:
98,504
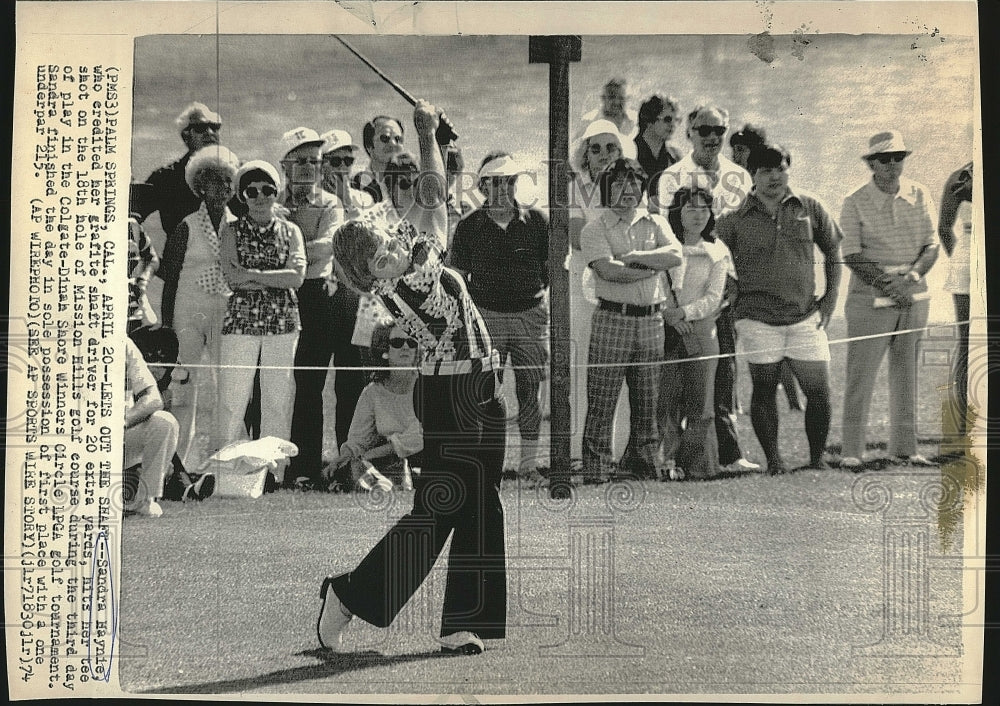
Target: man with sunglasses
657,122
382,138
503,249
339,156
328,312
889,245
705,167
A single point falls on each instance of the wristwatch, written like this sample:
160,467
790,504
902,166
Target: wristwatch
914,276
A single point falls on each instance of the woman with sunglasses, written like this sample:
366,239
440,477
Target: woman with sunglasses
456,400
686,402
657,122
600,145
263,259
385,430
191,262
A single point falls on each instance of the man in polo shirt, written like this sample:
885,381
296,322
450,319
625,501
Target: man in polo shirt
705,167
382,138
889,244
503,249
628,250
772,237
327,311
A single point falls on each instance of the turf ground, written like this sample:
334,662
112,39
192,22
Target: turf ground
744,585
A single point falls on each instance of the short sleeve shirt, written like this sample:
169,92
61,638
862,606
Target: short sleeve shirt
888,229
729,185
775,258
611,236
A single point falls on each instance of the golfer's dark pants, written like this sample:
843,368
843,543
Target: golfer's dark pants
725,390
457,490
327,326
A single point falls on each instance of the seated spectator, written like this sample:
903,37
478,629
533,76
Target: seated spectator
385,431
657,122
263,260
687,388
159,349
382,138
150,433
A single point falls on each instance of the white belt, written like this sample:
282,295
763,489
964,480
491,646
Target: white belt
460,367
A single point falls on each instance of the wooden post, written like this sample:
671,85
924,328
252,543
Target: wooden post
558,52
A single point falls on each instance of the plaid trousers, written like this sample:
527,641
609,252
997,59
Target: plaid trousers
615,339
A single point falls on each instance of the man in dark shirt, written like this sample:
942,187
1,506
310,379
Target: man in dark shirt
167,191
503,249
772,236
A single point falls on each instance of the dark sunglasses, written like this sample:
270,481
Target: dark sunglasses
251,192
204,127
596,147
706,130
340,161
896,157
400,342
386,139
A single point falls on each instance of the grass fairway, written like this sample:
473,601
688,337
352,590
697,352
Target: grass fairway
744,585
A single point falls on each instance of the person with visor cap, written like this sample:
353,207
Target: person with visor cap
503,250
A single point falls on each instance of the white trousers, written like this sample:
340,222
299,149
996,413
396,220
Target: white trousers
277,385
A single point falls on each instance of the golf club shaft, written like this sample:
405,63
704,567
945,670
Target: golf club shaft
399,89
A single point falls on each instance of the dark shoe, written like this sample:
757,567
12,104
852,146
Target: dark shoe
819,465
777,468
333,618
462,643
271,483
201,488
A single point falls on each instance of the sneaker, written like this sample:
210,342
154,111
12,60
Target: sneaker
676,473
851,463
201,488
333,618
149,508
371,478
742,465
462,643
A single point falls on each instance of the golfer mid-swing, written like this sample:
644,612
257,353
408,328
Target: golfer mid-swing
397,257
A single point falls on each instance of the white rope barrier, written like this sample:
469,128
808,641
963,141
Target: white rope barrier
716,356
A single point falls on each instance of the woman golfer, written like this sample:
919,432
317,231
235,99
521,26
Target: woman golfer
397,258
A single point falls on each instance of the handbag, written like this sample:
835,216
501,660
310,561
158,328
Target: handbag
682,345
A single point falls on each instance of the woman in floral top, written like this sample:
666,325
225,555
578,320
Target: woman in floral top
263,260
456,400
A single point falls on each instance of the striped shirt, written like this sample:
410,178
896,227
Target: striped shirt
888,229
432,305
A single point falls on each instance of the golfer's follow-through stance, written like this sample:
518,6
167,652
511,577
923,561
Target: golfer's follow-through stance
398,258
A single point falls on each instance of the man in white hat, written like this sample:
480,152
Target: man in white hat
889,245
705,167
327,312
503,248
340,154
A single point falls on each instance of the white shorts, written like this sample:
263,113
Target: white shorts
762,343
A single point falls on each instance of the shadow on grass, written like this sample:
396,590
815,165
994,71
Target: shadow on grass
331,664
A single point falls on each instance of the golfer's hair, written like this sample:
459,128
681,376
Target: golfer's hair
651,108
682,196
748,135
620,168
693,115
368,132
767,156
379,348
354,244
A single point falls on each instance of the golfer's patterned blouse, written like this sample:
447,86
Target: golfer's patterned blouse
431,303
